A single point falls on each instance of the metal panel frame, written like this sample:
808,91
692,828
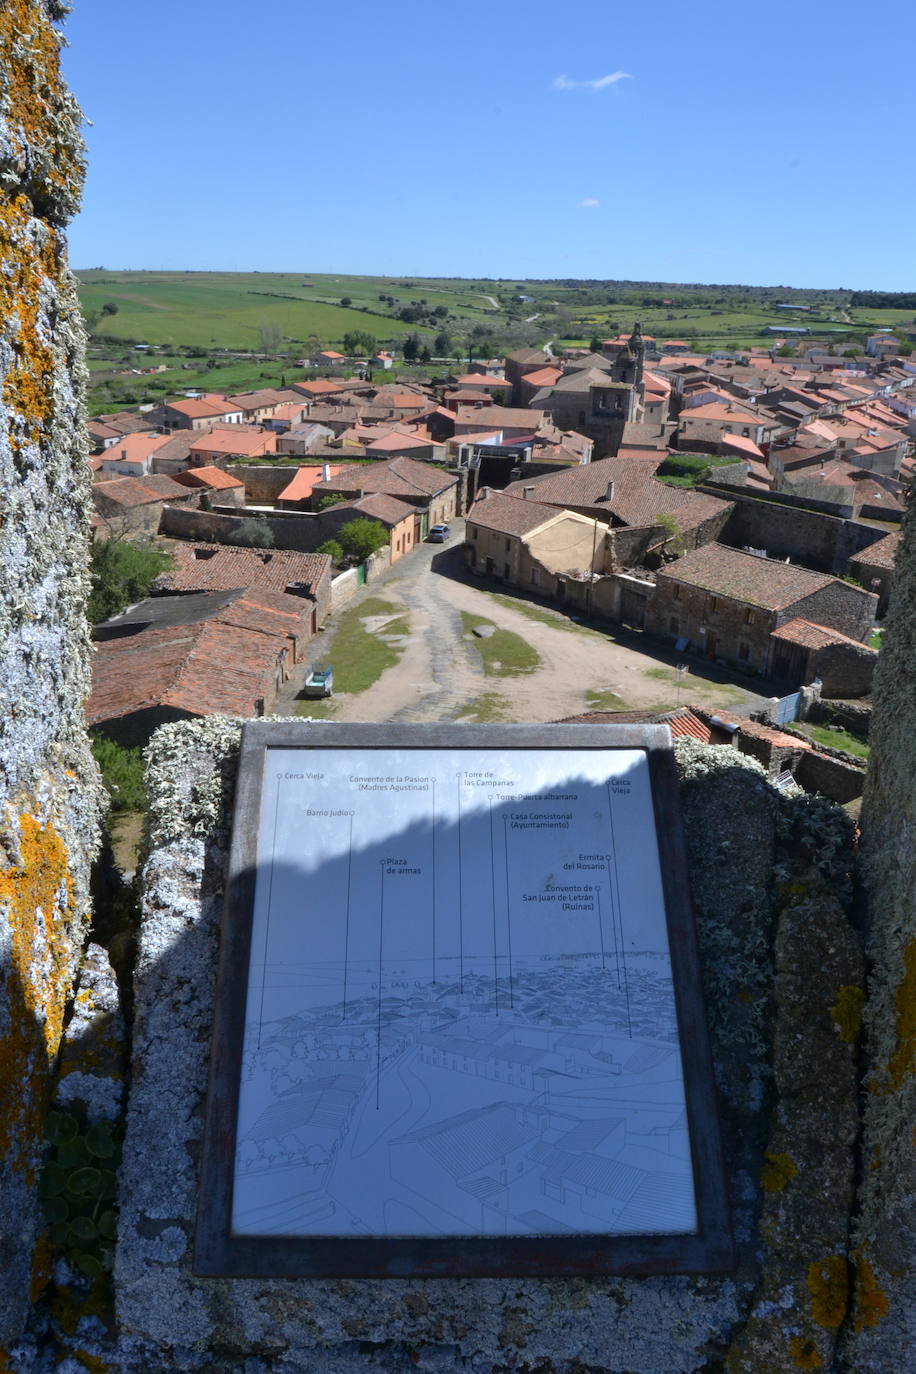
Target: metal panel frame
220,1253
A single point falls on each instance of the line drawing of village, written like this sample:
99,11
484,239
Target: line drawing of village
460,1015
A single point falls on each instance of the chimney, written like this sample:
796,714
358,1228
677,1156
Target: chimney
609,494
326,472
526,492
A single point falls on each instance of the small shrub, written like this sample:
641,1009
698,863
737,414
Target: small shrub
122,772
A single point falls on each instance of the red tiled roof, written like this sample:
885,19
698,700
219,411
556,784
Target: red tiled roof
882,554
212,478
221,567
398,477
509,514
744,577
202,408
235,439
379,506
300,488
140,491
811,636
222,660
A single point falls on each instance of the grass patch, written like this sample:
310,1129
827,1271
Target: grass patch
482,710
320,708
875,639
603,699
358,657
504,654
834,739
556,619
694,686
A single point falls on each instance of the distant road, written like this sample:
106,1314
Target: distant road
493,302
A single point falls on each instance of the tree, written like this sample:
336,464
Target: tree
270,335
251,534
110,308
425,355
410,348
357,342
361,537
122,573
331,498
332,549
345,300
595,345
442,345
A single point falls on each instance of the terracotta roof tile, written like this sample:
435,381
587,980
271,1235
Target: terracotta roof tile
219,567
744,577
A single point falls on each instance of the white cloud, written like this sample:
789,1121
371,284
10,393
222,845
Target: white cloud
589,203
564,83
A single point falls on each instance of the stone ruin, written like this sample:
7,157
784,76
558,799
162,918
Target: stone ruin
808,941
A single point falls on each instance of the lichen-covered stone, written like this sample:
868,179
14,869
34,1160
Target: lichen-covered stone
881,1334
49,796
90,1075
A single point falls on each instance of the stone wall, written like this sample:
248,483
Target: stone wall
781,964
49,798
263,481
883,1334
786,528
835,775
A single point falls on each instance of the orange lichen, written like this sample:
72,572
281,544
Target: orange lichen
37,898
870,1301
805,1353
903,1061
828,1284
32,91
847,1012
778,1171
28,261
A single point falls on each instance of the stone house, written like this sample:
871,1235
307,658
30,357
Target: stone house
231,443
222,567
874,567
403,522
257,405
131,454
530,544
431,490
134,505
195,412
726,604
214,485
173,658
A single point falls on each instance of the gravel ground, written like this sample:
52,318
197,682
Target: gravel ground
440,673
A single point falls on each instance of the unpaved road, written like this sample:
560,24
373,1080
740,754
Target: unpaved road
440,673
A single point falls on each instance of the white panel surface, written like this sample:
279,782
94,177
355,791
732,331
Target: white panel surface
460,1016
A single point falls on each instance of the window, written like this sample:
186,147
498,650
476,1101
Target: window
674,625
744,651
750,618
474,532
508,546
677,591
534,577
712,603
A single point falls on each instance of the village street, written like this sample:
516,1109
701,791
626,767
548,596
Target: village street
440,675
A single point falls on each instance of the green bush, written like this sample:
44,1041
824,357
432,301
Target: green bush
122,574
361,537
251,534
332,549
122,772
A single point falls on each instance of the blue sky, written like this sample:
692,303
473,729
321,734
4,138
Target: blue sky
725,142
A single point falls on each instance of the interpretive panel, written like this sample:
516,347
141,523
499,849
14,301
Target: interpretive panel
460,1011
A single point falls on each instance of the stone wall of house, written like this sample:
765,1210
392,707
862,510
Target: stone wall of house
787,529
263,482
844,669
835,775
49,796
690,610
839,606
